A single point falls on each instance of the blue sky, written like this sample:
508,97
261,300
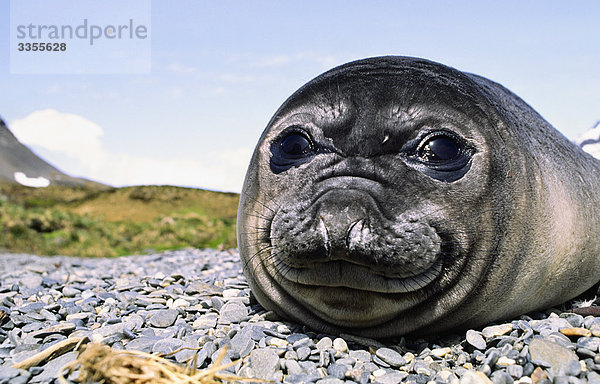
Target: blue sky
220,69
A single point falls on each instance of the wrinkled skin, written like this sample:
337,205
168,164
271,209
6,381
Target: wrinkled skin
352,219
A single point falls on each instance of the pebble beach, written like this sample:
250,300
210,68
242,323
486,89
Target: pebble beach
199,300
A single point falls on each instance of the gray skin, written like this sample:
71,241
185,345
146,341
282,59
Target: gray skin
370,231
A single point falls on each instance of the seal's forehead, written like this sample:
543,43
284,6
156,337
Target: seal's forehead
400,79
359,105
395,87
382,85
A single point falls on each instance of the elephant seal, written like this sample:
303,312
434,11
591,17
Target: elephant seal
396,195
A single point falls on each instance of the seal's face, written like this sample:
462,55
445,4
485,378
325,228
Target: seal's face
363,199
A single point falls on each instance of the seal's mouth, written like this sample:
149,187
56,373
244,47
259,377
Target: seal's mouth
344,274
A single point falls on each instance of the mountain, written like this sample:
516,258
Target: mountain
590,140
18,164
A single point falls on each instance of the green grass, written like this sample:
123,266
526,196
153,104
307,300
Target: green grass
114,222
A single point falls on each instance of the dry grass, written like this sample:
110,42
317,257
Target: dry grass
101,364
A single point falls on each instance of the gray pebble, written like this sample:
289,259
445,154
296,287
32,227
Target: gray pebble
501,377
295,337
340,345
528,369
31,308
571,368
593,378
264,363
390,357
337,370
472,377
7,373
359,375
515,371
303,353
48,315
144,344
496,330
422,369
309,367
360,355
575,320
32,281
492,357
186,354
293,367
347,361
69,291
550,353
561,380
50,370
418,379
165,346
232,312
325,343
303,342
591,343
475,339
302,378
162,318
217,302
380,362
226,359
202,356
324,358
242,344
206,321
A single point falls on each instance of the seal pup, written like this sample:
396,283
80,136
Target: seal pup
395,195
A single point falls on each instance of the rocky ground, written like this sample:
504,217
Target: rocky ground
200,299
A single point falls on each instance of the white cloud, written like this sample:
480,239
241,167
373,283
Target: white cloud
65,133
80,140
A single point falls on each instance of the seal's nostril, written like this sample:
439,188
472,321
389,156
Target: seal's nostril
322,229
355,233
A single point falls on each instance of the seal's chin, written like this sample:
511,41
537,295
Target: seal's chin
344,274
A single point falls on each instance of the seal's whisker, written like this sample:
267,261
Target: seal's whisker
256,200
258,216
250,259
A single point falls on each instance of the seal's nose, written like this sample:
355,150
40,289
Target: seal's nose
343,219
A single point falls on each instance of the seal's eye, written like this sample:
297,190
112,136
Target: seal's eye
441,155
292,149
295,145
439,148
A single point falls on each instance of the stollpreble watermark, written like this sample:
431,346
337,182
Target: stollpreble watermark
85,31
85,37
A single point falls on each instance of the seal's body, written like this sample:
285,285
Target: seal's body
394,195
